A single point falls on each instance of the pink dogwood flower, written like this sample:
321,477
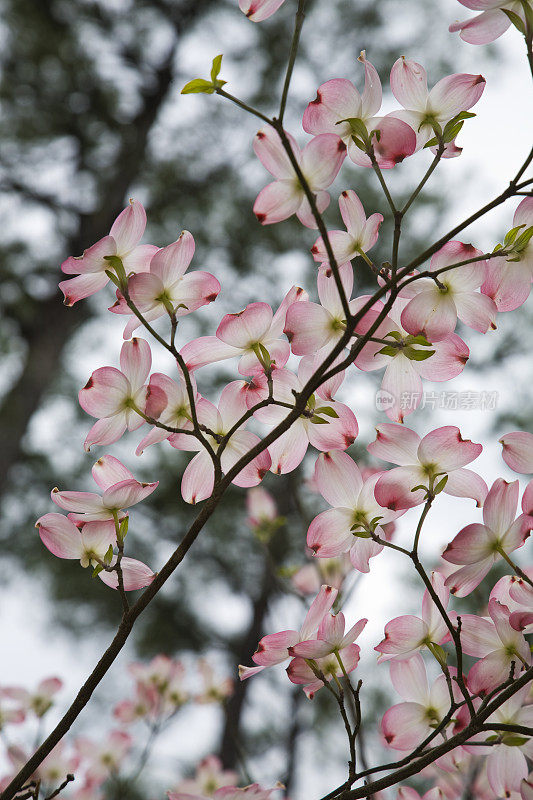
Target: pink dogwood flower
199,475
208,778
120,491
252,792
515,593
115,396
338,101
259,10
407,359
346,527
407,724
477,547
90,545
407,635
423,461
261,507
122,242
40,700
496,644
251,334
168,401
490,24
425,109
325,424
165,288
518,451
331,651
319,161
507,766
310,327
274,648
104,757
508,280
434,309
360,236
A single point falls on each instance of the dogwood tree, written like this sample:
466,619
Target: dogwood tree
465,722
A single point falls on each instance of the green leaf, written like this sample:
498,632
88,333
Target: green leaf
361,145
394,335
511,235
523,240
493,738
440,485
328,411
432,143
388,350
123,528
417,355
439,653
215,69
419,339
97,570
198,86
109,555
515,19
318,420
112,277
419,486
358,128
512,740
449,135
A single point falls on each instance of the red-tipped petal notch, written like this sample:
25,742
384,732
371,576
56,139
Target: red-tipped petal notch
456,93
322,159
329,534
104,393
395,142
517,451
259,10
135,362
108,471
445,448
320,606
336,100
278,201
127,493
396,444
274,648
338,478
308,327
403,637
247,327
269,150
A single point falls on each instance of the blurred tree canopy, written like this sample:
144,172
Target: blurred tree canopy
91,114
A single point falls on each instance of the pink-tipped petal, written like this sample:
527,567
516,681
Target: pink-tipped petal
60,535
136,575
128,227
517,451
446,448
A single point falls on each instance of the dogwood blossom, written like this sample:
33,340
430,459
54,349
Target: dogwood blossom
360,236
477,547
122,243
259,10
319,161
347,527
425,109
165,288
517,451
442,452
338,103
